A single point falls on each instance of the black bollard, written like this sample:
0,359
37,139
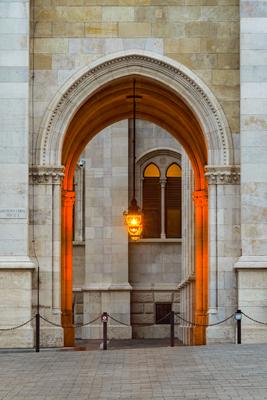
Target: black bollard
172,328
238,318
37,333
104,319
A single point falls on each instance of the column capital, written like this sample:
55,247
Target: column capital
68,198
46,175
163,182
222,175
200,198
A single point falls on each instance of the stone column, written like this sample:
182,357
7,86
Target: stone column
200,198
45,204
224,249
68,199
188,265
15,264
79,178
252,265
162,186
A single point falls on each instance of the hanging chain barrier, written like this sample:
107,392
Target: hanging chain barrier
123,323
170,317
71,326
17,327
253,319
203,325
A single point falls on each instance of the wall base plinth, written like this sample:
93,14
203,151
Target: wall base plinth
21,338
51,337
114,332
253,334
16,301
252,297
221,334
113,301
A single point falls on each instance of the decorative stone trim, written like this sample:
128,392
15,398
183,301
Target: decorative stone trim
68,198
189,279
200,198
46,175
223,175
169,72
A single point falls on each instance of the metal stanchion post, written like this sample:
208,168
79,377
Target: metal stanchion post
104,319
238,318
172,328
37,333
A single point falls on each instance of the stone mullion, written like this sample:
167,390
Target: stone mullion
79,204
163,189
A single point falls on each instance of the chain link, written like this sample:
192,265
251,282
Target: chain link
254,320
116,320
16,327
203,325
72,326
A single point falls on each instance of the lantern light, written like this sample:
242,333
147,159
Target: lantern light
134,217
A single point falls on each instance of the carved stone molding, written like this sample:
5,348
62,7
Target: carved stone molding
68,198
223,175
46,175
174,75
200,198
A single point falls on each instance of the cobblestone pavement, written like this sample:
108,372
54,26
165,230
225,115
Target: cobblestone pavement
211,372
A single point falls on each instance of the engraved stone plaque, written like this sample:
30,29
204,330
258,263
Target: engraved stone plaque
12,213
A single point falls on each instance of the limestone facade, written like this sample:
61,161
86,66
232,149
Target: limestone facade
58,55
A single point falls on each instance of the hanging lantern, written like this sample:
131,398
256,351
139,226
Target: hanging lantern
134,220
134,217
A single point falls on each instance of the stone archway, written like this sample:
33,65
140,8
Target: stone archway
174,98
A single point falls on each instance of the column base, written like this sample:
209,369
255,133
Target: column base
221,334
52,337
185,334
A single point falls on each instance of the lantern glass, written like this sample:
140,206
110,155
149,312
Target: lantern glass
134,222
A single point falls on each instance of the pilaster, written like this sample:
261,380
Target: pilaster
45,225
252,265
15,265
224,248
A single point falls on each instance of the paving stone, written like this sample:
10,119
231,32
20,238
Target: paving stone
207,372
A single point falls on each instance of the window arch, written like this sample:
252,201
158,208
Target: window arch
174,171
151,171
173,201
161,193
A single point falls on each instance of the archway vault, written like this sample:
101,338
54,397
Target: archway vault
172,97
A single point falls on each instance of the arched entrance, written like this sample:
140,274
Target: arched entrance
173,98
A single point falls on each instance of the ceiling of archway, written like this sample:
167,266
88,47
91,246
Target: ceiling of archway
158,104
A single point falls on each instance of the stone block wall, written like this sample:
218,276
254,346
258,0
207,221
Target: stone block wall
202,35
143,312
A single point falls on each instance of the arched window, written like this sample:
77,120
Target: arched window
152,202
173,201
